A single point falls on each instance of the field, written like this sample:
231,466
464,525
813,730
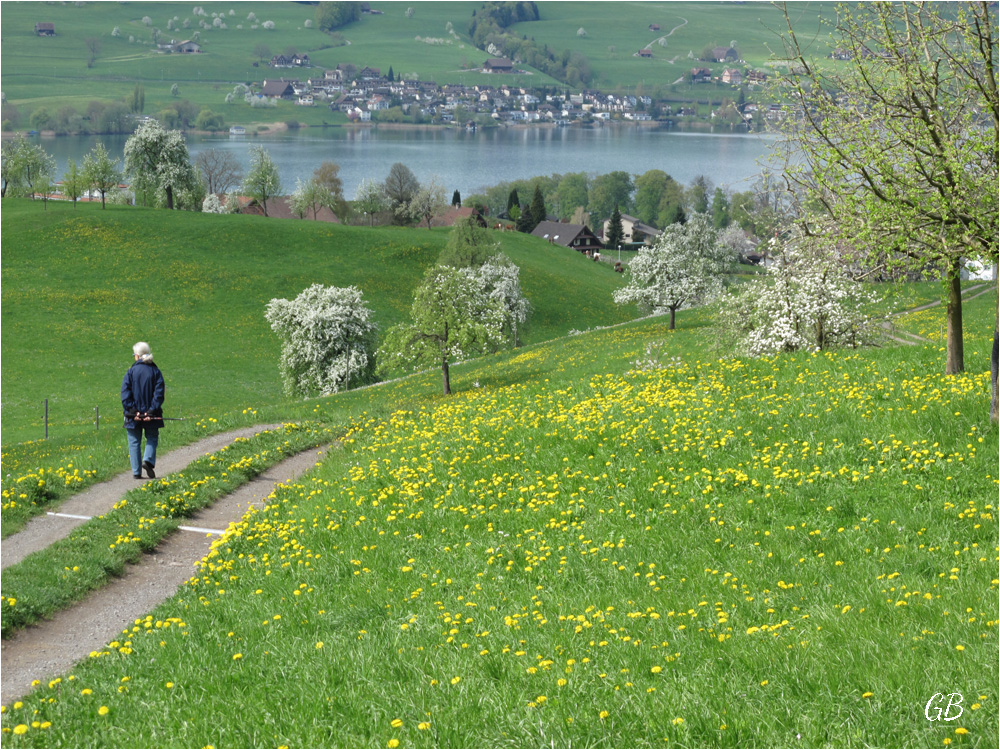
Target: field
613,538
578,551
52,72
82,284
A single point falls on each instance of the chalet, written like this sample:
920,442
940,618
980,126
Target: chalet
290,61
701,75
498,65
756,77
723,54
305,100
733,76
301,61
280,89
634,230
370,74
187,47
654,27
645,52
45,29
575,236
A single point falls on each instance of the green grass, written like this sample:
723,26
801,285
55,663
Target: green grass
52,72
82,284
570,551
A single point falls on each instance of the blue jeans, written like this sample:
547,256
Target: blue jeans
135,444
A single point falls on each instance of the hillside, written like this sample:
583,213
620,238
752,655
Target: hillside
62,70
81,285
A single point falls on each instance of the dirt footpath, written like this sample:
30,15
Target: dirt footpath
53,647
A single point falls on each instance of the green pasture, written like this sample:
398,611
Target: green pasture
579,550
52,72
82,284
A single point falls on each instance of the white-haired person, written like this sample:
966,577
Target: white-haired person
142,401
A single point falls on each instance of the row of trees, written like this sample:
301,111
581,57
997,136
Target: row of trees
469,303
654,197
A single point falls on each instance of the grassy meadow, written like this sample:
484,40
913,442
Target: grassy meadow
52,72
82,284
610,539
613,538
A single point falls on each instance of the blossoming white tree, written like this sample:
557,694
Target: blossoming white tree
454,316
684,267
158,163
328,340
808,302
262,180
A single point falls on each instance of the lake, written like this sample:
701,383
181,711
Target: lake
469,162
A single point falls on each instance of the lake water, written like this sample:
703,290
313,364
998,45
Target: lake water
469,162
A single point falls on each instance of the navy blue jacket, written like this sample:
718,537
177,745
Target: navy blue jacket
143,391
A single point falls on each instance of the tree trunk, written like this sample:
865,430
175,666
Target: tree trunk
170,197
673,317
102,200
955,349
994,367
445,377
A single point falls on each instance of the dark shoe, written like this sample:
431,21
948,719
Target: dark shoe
137,476
149,469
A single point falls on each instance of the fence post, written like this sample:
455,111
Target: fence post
46,419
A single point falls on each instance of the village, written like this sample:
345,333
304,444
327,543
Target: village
366,94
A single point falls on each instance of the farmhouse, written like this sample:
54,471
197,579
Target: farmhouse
576,236
722,54
733,76
45,29
645,52
498,65
701,75
280,89
634,230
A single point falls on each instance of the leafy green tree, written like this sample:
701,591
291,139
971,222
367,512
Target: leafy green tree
100,172
262,180
697,194
896,149
720,209
651,188
453,317
73,184
401,185
513,200
330,189
25,166
137,102
334,15
157,162
469,245
209,120
570,194
615,235
610,190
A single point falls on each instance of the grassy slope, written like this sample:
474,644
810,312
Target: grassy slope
82,284
51,72
713,552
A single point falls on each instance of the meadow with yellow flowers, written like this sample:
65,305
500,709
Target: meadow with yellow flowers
613,539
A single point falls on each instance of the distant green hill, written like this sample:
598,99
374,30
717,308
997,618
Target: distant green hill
81,285
53,72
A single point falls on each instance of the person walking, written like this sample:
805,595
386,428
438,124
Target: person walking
142,401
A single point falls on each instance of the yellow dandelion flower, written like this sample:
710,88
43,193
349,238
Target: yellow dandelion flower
455,680
763,682
561,682
603,715
960,647
393,742
961,730
396,723
20,729
169,685
678,721
237,656
319,644
424,725
656,670
103,711
867,695
86,691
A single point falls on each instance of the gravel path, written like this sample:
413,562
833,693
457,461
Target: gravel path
100,498
53,647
